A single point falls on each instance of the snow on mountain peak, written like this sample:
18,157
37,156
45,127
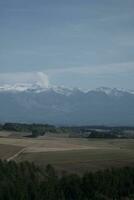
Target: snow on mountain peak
112,91
19,87
106,90
37,88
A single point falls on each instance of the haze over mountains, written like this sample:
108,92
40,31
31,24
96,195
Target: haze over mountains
64,106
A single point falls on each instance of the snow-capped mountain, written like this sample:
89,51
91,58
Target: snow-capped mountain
20,87
114,91
35,88
60,105
60,89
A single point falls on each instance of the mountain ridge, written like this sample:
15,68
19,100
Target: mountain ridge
64,106
59,89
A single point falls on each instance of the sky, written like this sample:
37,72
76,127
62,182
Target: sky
71,43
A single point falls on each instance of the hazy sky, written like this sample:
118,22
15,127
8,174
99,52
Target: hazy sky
76,43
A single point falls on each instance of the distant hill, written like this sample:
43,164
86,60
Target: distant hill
63,106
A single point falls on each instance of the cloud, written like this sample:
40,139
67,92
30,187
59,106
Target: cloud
25,78
73,76
114,68
43,79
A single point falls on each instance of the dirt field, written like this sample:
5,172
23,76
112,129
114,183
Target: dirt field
7,151
82,160
71,154
13,134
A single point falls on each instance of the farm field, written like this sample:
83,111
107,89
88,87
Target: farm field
70,154
7,151
81,160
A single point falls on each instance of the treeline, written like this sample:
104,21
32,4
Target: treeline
106,135
72,131
25,181
95,134
34,129
41,129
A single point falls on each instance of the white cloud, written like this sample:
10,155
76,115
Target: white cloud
60,76
43,79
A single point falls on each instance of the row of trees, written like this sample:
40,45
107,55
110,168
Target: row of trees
25,181
35,130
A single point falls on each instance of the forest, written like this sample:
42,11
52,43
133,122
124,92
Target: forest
26,181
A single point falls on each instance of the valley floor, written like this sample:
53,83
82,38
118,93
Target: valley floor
70,154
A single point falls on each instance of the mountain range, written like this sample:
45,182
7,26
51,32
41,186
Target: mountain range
32,103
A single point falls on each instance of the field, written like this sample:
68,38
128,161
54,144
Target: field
70,154
8,151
